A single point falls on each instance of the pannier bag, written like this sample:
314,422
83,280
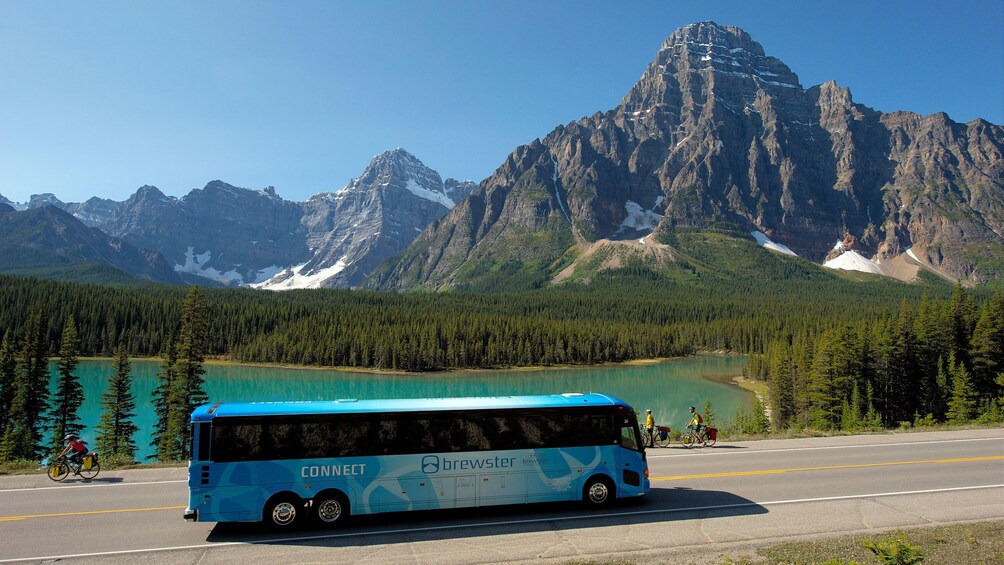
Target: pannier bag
663,432
713,433
88,462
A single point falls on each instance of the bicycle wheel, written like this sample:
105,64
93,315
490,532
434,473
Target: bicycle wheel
662,439
58,470
88,474
711,438
646,438
687,440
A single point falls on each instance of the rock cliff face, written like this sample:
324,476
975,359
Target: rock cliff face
221,232
377,215
238,236
717,134
47,236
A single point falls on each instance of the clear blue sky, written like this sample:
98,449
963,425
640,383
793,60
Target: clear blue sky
99,98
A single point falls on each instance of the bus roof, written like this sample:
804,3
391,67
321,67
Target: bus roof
352,406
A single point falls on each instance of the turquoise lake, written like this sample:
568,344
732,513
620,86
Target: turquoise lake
667,388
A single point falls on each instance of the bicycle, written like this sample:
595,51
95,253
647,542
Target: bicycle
646,438
689,438
662,438
88,468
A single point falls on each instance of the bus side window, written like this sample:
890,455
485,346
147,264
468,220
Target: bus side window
204,435
628,438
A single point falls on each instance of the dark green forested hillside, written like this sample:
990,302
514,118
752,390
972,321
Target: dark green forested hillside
939,360
634,313
836,354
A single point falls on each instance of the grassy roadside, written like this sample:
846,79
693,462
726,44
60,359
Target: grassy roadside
972,543
979,542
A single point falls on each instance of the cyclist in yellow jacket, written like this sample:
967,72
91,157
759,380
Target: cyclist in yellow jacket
650,427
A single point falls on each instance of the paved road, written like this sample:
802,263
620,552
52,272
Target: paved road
704,503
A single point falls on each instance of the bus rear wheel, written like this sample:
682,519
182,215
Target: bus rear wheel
330,508
282,512
598,492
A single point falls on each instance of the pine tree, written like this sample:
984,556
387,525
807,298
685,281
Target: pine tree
166,378
962,406
116,429
824,402
69,393
187,390
709,414
761,423
782,385
962,314
987,348
8,374
23,437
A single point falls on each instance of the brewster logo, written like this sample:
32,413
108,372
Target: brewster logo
433,464
430,464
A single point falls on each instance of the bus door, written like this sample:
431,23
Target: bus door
631,463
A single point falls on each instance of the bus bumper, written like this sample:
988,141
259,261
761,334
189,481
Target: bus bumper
192,515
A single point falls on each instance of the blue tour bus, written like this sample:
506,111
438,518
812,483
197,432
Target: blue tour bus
282,462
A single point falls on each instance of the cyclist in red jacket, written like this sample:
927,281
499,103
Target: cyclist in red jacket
78,448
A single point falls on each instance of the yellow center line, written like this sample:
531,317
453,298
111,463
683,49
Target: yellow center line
825,468
87,512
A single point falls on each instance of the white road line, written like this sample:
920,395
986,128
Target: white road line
496,524
705,451
69,486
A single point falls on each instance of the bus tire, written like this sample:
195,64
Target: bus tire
283,511
598,492
330,507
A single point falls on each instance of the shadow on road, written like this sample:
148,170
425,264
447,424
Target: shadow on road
662,505
99,480
695,449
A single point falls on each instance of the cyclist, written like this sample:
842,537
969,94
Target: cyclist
697,422
78,448
650,427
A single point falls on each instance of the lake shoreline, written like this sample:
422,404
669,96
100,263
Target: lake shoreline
362,370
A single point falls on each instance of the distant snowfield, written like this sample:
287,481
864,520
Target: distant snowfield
195,264
638,218
293,277
853,261
765,241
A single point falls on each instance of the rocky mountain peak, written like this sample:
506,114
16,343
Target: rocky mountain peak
704,63
398,169
46,199
709,34
148,194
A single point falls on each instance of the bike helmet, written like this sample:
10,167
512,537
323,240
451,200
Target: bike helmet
649,410
69,437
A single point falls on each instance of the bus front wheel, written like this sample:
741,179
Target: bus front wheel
330,507
599,491
282,511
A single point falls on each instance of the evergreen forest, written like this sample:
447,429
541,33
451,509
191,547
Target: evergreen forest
837,354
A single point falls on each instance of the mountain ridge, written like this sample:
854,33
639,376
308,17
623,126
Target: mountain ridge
718,135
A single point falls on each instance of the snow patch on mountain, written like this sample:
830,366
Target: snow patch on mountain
851,260
196,265
422,192
266,273
764,241
639,218
294,277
